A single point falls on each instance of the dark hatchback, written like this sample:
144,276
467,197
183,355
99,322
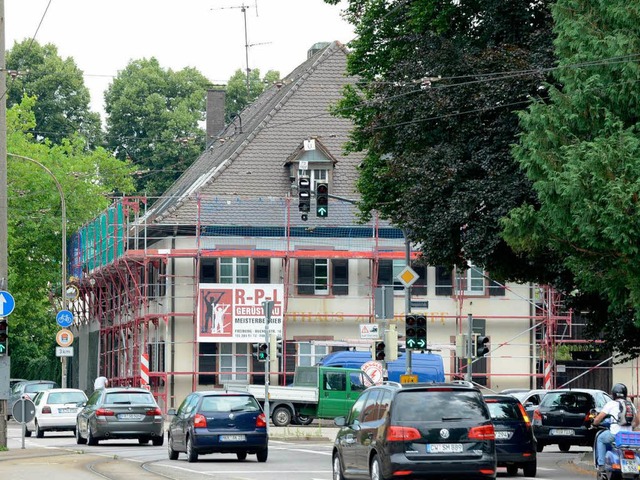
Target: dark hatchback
564,416
218,422
515,443
435,430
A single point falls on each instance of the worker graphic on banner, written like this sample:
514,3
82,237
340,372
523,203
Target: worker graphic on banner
216,315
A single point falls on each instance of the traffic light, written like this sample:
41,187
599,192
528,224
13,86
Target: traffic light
482,346
263,352
411,340
322,200
4,335
304,196
378,351
421,331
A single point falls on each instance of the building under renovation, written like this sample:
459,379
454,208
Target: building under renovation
171,289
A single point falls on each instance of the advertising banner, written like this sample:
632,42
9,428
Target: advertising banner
233,313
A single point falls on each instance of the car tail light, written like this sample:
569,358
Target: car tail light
483,432
629,454
152,412
46,409
103,412
524,415
402,434
199,421
589,417
537,417
261,421
487,471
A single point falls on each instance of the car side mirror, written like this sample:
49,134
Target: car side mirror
529,405
172,411
340,421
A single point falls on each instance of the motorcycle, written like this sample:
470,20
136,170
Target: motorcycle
622,460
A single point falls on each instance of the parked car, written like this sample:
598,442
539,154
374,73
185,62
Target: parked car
564,416
120,412
56,410
515,443
529,398
218,422
13,381
30,388
434,430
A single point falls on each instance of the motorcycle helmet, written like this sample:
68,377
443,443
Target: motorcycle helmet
619,390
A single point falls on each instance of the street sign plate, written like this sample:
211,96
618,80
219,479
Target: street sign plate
23,410
64,318
7,303
374,370
408,276
64,351
369,331
383,300
64,338
408,378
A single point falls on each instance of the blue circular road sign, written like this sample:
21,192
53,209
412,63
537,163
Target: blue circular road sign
64,318
7,303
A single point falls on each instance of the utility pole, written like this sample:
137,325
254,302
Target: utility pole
267,306
4,256
468,376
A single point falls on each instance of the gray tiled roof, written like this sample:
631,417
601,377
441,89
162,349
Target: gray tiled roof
252,162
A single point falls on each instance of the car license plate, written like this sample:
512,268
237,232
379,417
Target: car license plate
503,435
629,466
444,447
562,431
232,438
67,410
130,416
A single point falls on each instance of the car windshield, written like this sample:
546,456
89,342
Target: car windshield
438,406
37,387
503,410
229,403
56,398
570,401
129,398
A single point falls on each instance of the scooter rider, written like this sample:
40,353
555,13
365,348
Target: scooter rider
612,409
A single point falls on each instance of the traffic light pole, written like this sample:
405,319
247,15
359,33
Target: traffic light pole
267,307
407,300
468,373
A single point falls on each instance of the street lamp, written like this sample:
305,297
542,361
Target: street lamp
63,206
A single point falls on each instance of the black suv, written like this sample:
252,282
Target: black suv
434,430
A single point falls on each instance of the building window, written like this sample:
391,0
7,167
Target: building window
207,363
319,175
208,270
262,270
234,362
471,281
310,354
388,271
234,270
444,281
340,280
313,277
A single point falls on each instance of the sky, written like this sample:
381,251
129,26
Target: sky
104,36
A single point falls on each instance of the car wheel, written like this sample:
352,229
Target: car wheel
262,455
337,467
143,440
79,439
192,455
564,447
39,431
304,420
241,455
539,447
158,441
376,469
173,455
281,417
513,470
27,432
529,469
91,440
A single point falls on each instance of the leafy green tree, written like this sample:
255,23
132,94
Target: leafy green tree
153,118
237,96
581,151
434,112
87,178
62,109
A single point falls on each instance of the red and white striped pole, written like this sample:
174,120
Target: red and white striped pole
144,371
547,376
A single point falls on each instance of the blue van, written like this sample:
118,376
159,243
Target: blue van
428,366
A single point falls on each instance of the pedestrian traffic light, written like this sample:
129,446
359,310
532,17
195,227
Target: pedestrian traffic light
378,351
4,335
304,195
482,346
322,200
421,331
263,352
411,341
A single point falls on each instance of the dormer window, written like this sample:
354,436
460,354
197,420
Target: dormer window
313,160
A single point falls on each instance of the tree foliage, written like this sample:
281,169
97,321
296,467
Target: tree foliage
581,151
62,109
87,179
237,96
435,113
153,120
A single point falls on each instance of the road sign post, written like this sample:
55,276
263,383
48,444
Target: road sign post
24,410
267,306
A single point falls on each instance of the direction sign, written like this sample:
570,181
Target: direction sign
64,318
64,338
7,303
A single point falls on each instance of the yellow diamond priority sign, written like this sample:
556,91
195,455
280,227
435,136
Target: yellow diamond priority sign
408,276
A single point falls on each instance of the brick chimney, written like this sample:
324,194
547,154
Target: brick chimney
215,113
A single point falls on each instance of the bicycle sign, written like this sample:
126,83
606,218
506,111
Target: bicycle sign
64,318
